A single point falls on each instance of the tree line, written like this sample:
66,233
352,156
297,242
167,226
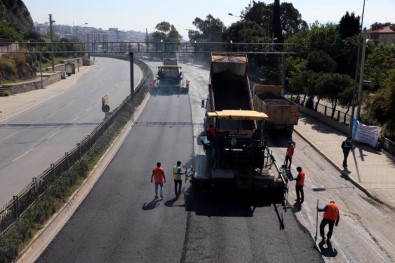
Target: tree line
326,59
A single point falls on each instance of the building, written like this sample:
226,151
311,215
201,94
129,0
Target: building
385,35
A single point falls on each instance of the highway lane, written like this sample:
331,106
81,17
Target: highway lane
120,221
32,140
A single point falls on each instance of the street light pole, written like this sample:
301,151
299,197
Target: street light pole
75,29
51,36
358,99
163,50
361,75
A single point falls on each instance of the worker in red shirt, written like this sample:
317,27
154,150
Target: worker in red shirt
289,154
211,134
331,217
299,185
158,177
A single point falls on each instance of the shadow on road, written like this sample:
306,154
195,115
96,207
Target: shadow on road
220,202
327,250
151,205
171,202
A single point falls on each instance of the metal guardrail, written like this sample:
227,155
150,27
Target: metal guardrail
342,115
10,212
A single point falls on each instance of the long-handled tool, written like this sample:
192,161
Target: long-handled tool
316,229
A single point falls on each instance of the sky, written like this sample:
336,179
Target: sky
142,15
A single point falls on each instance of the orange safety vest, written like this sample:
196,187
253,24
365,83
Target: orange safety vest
158,173
331,212
290,150
300,181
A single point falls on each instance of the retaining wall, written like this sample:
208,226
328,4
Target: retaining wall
26,86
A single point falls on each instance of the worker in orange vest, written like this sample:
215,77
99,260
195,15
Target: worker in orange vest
158,177
331,217
289,153
299,185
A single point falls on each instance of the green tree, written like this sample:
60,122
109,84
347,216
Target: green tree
330,85
290,19
10,31
380,107
379,63
315,48
349,25
166,38
209,30
244,31
324,38
320,61
349,29
166,32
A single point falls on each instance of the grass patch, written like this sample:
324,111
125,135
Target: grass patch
7,93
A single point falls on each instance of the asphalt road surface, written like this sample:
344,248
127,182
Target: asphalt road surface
121,221
32,140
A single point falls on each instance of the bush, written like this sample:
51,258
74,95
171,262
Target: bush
17,66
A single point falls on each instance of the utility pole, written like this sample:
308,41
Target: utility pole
51,36
355,95
131,76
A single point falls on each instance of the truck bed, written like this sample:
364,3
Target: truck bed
231,92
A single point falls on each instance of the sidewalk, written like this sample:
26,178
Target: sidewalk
370,170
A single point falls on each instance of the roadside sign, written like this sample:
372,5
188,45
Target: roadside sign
104,104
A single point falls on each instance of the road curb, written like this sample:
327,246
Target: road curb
45,236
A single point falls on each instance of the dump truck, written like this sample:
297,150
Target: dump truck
283,113
234,140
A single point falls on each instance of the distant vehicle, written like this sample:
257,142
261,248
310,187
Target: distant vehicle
169,75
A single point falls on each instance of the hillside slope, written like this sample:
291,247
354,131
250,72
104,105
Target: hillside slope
16,12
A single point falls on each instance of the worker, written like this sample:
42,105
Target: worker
289,154
299,185
331,217
158,177
210,133
177,178
346,146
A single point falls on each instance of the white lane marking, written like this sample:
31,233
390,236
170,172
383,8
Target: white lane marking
53,134
3,139
22,155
